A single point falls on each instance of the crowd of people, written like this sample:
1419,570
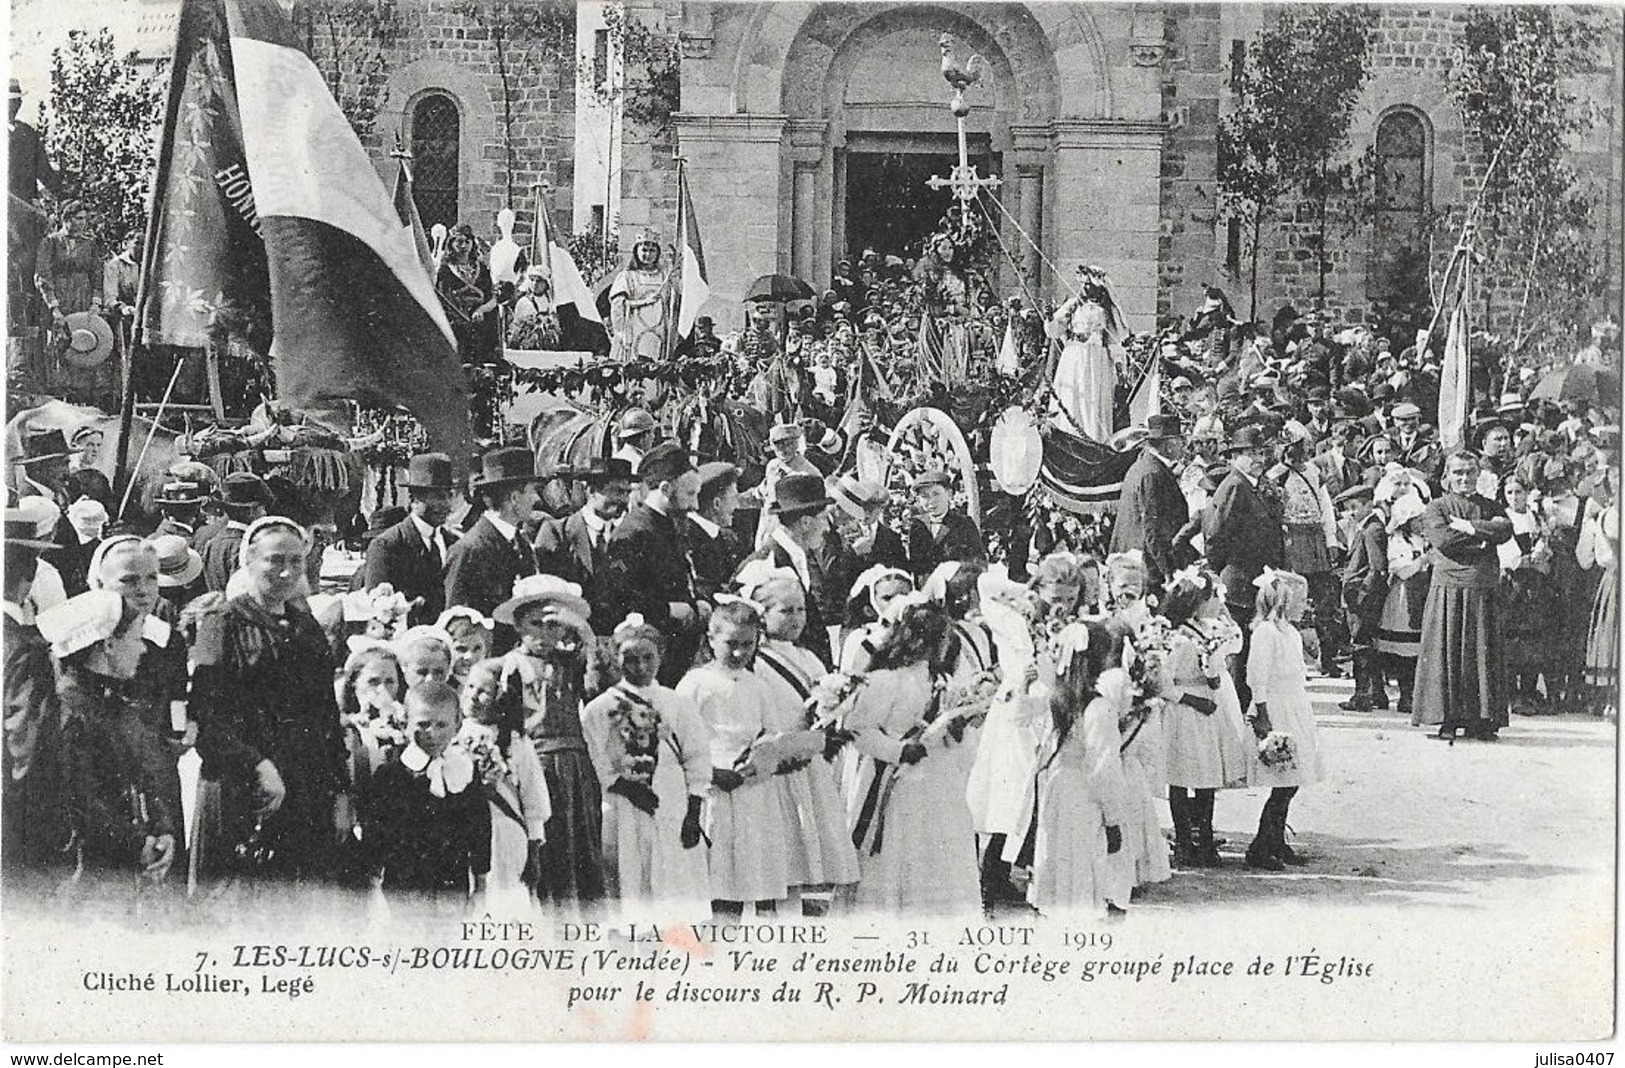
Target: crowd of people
614,685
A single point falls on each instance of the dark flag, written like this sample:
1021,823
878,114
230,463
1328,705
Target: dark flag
406,209
353,309
205,261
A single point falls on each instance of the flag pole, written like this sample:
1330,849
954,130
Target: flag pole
128,422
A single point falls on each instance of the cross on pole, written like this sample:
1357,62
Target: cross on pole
963,180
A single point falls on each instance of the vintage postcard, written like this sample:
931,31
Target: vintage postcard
667,520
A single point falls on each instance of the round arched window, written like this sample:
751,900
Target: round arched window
436,146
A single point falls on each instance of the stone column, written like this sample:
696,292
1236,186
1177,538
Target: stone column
1107,195
736,173
1030,147
809,222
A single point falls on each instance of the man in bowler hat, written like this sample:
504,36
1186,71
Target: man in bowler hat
1243,532
411,555
483,564
799,542
1152,509
244,497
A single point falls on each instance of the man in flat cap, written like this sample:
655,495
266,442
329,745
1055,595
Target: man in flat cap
942,531
713,545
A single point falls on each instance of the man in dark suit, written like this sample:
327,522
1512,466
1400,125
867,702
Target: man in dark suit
244,497
712,543
1243,533
799,543
411,555
943,531
1151,509
484,563
648,569
576,547
1416,445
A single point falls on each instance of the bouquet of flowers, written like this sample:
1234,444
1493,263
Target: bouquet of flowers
962,706
479,742
829,695
637,724
382,727
1146,656
1277,750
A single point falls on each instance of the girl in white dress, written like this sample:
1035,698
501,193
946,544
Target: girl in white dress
1282,717
1000,789
747,821
1144,858
650,745
1203,744
819,848
866,605
1082,797
906,805
506,764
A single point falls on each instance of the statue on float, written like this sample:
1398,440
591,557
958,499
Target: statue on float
1085,380
637,305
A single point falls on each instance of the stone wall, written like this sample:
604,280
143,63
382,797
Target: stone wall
1412,49
504,150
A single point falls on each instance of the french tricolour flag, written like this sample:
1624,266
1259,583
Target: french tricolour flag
354,312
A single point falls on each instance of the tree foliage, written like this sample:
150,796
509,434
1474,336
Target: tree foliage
105,118
350,41
650,89
1284,139
1512,82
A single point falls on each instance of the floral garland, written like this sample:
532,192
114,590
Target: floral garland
606,376
479,741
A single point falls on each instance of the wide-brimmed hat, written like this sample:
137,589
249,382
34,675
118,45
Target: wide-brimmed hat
22,530
44,444
428,471
796,494
194,471
1159,426
1248,437
506,467
784,432
181,492
601,469
242,489
178,563
563,599
857,497
90,339
634,421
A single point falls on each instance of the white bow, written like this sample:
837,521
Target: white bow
449,773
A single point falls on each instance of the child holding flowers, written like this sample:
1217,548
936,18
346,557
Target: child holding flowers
819,850
747,821
906,805
650,745
369,695
1083,800
508,770
1203,741
1283,720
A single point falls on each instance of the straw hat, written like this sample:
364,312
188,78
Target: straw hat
178,563
563,599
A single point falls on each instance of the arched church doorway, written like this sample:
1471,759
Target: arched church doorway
885,180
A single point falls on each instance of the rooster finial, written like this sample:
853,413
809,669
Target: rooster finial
961,78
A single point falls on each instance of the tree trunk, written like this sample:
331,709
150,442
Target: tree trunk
498,39
1258,229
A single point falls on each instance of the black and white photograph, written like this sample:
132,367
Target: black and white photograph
752,520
